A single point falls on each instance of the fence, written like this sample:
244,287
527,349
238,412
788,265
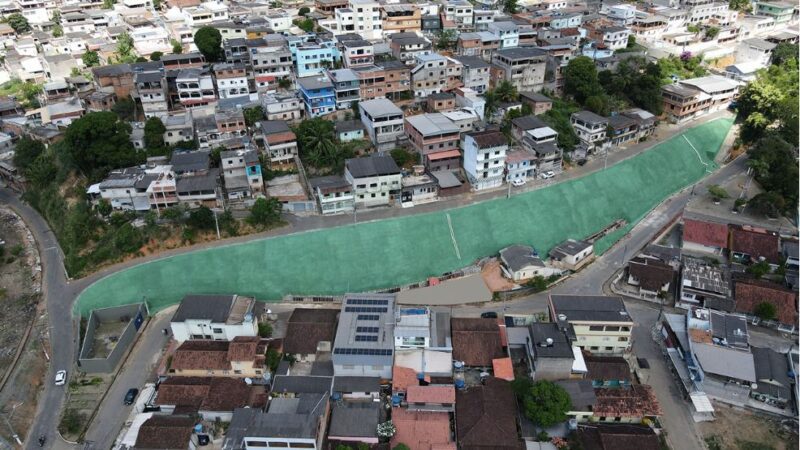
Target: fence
134,315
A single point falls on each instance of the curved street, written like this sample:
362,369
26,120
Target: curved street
60,294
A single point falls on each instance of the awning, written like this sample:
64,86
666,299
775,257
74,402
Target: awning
444,155
701,402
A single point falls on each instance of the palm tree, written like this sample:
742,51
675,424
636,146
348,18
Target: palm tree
506,91
490,97
317,141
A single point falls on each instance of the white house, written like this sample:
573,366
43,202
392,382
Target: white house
484,158
590,128
217,317
383,121
376,180
521,263
572,254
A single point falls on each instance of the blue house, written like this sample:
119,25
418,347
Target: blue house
318,95
312,58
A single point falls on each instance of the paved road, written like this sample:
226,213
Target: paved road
61,293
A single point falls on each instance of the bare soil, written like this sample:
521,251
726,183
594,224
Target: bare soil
735,429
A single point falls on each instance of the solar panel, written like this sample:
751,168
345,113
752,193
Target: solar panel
366,301
368,317
367,329
366,338
362,351
365,309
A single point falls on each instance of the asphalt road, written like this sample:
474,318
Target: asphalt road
61,293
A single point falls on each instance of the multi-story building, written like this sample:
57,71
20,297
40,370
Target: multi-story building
194,60
362,17
195,87
214,317
507,32
241,170
522,67
231,80
399,18
595,323
421,328
371,81
756,51
383,121
282,107
432,133
482,44
346,87
475,73
179,128
613,37
270,64
459,13
334,194
781,12
357,53
313,59
484,158
280,142
691,98
35,11
375,180
241,357
151,88
590,128
317,94
435,73
364,344
397,76
407,46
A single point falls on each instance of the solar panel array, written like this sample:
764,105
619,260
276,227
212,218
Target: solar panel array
367,329
366,338
368,317
365,309
362,351
366,301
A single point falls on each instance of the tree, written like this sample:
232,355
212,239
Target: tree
124,45
90,59
209,41
124,108
740,5
177,47
42,171
580,79
544,402
303,11
99,142
356,110
128,239
285,83
402,156
631,41
154,131
386,429
156,56
759,269
264,329
201,218
306,25
318,148
19,23
253,115
510,6
766,311
156,4
717,192
401,446
104,208
265,212
26,151
711,33
506,91
770,204
446,40
598,104
58,30
784,52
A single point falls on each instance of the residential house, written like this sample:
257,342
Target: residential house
241,357
572,254
486,417
126,189
608,371
484,158
432,133
311,59
441,398
581,394
507,32
346,87
357,389
407,46
364,344
270,64
334,194
590,128
212,398
241,170
100,101
539,103
652,277
357,53
422,429
611,37
752,244
195,87
435,73
383,121
552,354
521,263
523,67
282,107
704,284
161,432
354,422
704,235
375,180
309,332
400,18
475,73
695,97
622,129
361,16
217,317
318,95
606,436
781,12
298,421
458,14
421,328
349,130
749,293
600,324
280,142
397,77
755,50
630,405
482,44
645,122
773,377
231,80
441,102
117,76
476,342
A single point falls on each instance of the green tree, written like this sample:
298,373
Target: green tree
510,6
770,204
201,218
401,446
740,5
780,179
356,110
506,91
783,52
580,79
285,83
766,311
128,239
58,30
306,25
544,402
156,56
90,59
104,208
717,192
26,151
177,47
711,33
264,329
209,41
156,4
265,212
303,11
19,23
30,92
154,131
759,269
42,171
446,40
124,108
98,142
598,104
253,115
316,139
124,45
402,156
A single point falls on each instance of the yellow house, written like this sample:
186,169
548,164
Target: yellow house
600,324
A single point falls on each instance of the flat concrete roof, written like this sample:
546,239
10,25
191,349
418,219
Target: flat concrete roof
469,289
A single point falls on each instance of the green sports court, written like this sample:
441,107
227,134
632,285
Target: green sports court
391,252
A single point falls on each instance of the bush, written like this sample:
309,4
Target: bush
402,156
538,283
766,311
128,239
264,330
265,212
544,402
201,218
72,422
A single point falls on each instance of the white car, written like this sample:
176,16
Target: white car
518,182
548,174
61,377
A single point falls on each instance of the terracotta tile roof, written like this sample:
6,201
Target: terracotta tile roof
476,341
651,273
281,138
165,433
210,393
607,368
431,394
217,355
243,348
618,437
749,293
307,327
637,401
706,233
486,417
404,377
756,242
422,430
503,368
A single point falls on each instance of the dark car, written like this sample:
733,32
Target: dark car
489,315
131,396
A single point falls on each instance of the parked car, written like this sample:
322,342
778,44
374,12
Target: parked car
489,315
130,397
548,174
518,182
61,377
581,162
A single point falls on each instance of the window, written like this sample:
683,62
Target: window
237,372
625,328
612,328
217,330
301,445
609,349
595,328
622,339
256,444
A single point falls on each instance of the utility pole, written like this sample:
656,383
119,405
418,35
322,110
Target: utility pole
216,223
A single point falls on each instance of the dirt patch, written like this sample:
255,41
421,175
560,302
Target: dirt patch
734,429
493,276
85,393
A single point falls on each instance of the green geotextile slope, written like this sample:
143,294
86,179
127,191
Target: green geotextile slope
392,252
